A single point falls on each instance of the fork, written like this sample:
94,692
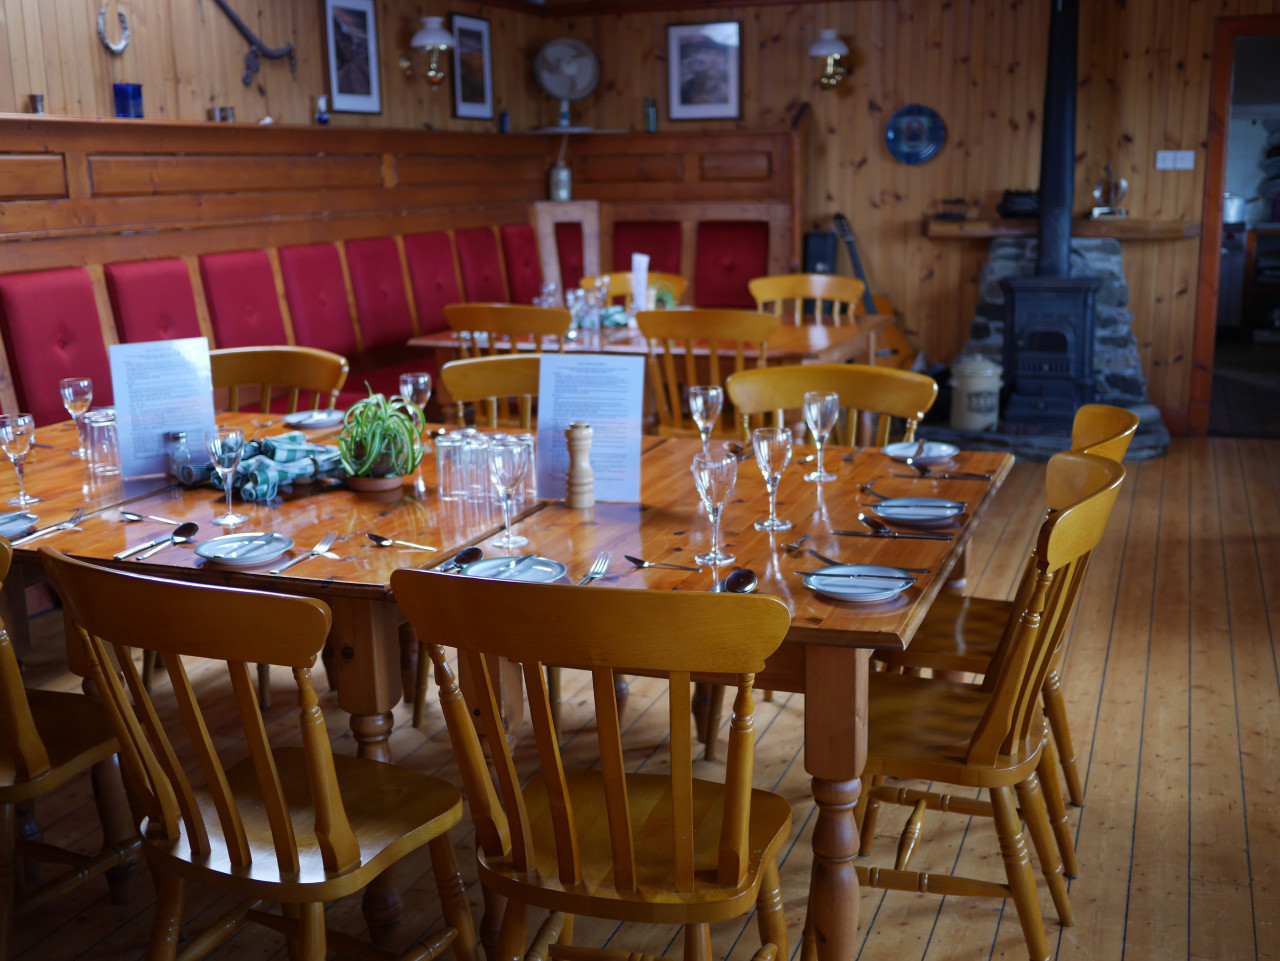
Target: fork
598,568
795,545
322,547
72,521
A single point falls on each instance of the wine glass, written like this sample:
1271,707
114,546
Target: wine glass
773,454
225,446
417,388
16,433
508,461
715,475
704,408
77,398
820,413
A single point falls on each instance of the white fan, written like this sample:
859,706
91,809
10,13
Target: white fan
567,70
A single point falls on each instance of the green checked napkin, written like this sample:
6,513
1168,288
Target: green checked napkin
270,462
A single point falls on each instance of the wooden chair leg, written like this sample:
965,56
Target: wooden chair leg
166,927
421,685
453,896
865,813
513,938
311,935
118,827
553,696
715,707
8,869
495,909
770,917
697,942
1055,710
1017,867
698,706
621,692
1037,820
1047,769
148,669
264,687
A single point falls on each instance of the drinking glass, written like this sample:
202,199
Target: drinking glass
773,454
225,445
704,408
417,388
714,475
508,461
77,398
820,413
16,433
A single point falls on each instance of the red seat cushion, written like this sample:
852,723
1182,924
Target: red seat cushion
51,331
433,276
729,254
569,250
241,291
386,380
524,269
153,300
480,264
317,297
382,305
660,239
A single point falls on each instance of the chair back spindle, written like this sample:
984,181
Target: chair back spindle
492,329
829,295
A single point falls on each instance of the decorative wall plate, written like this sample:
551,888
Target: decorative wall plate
915,133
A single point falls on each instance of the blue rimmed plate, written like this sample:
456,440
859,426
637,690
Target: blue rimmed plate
915,133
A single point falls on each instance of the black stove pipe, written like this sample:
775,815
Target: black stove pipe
1058,147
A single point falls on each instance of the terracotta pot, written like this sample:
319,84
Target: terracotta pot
375,483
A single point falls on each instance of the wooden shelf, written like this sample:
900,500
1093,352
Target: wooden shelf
1124,228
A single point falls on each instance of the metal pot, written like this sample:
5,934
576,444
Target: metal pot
1233,208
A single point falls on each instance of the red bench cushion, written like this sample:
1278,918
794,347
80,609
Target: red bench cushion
153,300
433,276
660,239
317,297
569,250
729,254
480,264
381,303
524,269
241,291
51,331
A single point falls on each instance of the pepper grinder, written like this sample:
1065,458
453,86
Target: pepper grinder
580,490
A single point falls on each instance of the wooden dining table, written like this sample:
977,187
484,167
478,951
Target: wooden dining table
825,656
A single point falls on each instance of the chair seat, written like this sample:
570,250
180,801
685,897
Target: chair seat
77,734
392,811
653,901
958,634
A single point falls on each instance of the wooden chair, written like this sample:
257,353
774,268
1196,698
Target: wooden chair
308,376
487,329
784,295
881,391
700,338
492,381
620,283
991,736
962,634
46,739
297,825
654,848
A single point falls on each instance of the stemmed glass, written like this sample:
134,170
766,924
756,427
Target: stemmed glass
704,408
417,388
508,461
225,446
820,413
773,454
715,475
77,398
16,433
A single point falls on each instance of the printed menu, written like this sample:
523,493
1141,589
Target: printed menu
160,387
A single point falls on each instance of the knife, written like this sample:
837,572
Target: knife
827,560
520,564
679,567
130,551
824,558
985,477
913,535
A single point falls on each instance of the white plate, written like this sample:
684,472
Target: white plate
13,523
542,570
244,550
315,419
934,451
918,511
853,589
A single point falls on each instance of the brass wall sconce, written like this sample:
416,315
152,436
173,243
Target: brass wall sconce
831,48
433,40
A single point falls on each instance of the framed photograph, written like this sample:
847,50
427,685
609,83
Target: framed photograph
472,69
704,74
353,56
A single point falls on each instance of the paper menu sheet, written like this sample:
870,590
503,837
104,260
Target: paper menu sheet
160,387
606,392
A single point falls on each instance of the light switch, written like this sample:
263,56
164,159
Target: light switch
1175,160
1165,159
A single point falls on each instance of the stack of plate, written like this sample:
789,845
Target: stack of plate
918,511
244,550
933,452
16,523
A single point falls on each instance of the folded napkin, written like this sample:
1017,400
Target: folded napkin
270,462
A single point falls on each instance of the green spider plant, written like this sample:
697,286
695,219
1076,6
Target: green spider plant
381,437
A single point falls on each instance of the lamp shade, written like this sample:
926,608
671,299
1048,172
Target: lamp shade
827,45
431,35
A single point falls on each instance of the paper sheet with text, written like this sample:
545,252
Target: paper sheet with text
160,387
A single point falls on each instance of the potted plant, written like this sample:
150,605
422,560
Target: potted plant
380,441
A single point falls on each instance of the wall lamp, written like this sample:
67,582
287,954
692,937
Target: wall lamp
831,48
433,40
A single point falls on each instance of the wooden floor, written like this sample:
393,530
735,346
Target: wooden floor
1173,688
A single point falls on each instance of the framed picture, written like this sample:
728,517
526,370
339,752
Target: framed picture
472,68
353,56
704,73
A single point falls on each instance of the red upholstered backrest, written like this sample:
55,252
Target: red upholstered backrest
51,331
241,292
660,239
524,269
382,305
317,297
569,250
729,254
481,267
433,276
153,300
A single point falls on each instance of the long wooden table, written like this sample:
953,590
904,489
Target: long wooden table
825,656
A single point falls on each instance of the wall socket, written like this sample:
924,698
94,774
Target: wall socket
1175,160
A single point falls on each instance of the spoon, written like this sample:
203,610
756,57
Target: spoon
130,517
740,452
387,542
918,468
181,535
468,555
740,580
880,529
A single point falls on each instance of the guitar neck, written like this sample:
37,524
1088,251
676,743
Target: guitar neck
845,231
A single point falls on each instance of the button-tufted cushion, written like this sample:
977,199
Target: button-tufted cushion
524,269
382,306
51,331
241,291
153,300
317,297
729,254
569,250
433,276
481,266
660,239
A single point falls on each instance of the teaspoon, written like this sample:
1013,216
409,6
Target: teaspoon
740,580
468,555
388,541
182,535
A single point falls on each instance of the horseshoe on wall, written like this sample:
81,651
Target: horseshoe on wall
116,48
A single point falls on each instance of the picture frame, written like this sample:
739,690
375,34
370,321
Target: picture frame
351,31
704,71
472,68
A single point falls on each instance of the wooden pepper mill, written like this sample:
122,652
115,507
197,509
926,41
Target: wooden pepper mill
580,492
